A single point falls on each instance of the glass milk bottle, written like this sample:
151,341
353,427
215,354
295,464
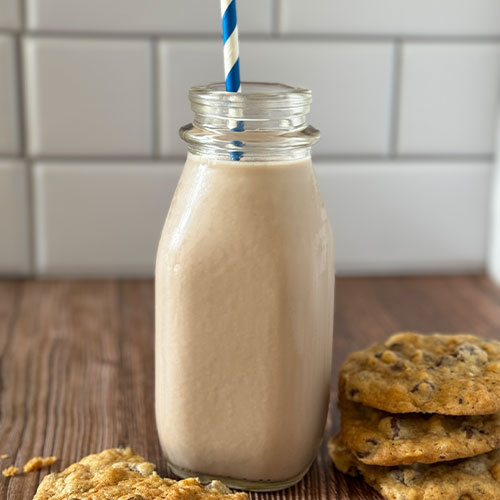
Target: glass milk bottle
244,293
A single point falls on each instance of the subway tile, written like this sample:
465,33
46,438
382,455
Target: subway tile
393,17
10,17
407,217
88,97
9,103
146,16
14,226
351,84
96,219
100,219
449,97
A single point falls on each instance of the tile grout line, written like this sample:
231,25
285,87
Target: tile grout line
19,40
163,159
276,18
23,11
396,85
31,216
23,136
304,37
21,112
155,97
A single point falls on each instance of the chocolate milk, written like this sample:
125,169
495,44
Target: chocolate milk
244,321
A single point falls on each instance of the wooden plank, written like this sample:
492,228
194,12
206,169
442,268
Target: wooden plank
77,361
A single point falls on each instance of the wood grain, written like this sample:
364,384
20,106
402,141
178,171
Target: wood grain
76,365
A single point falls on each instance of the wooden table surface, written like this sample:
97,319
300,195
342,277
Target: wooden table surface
76,365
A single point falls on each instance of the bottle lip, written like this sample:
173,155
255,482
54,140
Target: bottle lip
264,120
272,96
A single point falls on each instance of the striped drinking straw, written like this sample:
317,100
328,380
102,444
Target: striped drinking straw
231,58
231,45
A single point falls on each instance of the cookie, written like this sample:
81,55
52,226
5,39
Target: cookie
476,478
379,438
120,474
412,373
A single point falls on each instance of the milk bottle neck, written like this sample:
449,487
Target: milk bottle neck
266,121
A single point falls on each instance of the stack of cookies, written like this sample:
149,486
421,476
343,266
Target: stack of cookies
420,417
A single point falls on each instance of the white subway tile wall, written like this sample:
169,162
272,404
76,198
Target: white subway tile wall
407,216
449,98
88,97
92,93
9,105
90,217
392,17
144,16
14,224
356,83
98,219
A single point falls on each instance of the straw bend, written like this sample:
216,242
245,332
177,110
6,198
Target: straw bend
231,45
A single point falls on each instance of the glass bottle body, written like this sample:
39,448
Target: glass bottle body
244,318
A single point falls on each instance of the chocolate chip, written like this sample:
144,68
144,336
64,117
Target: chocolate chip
425,382
372,441
362,454
469,431
398,366
445,361
378,355
399,475
471,349
396,346
352,471
469,352
395,427
353,392
460,401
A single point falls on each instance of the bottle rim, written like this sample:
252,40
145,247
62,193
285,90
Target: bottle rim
253,96
264,120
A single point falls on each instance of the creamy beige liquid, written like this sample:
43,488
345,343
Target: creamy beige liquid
244,320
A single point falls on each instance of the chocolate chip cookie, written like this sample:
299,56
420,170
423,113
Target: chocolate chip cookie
120,474
380,438
447,374
476,478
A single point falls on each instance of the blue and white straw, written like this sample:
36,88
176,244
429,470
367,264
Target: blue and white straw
231,59
231,45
